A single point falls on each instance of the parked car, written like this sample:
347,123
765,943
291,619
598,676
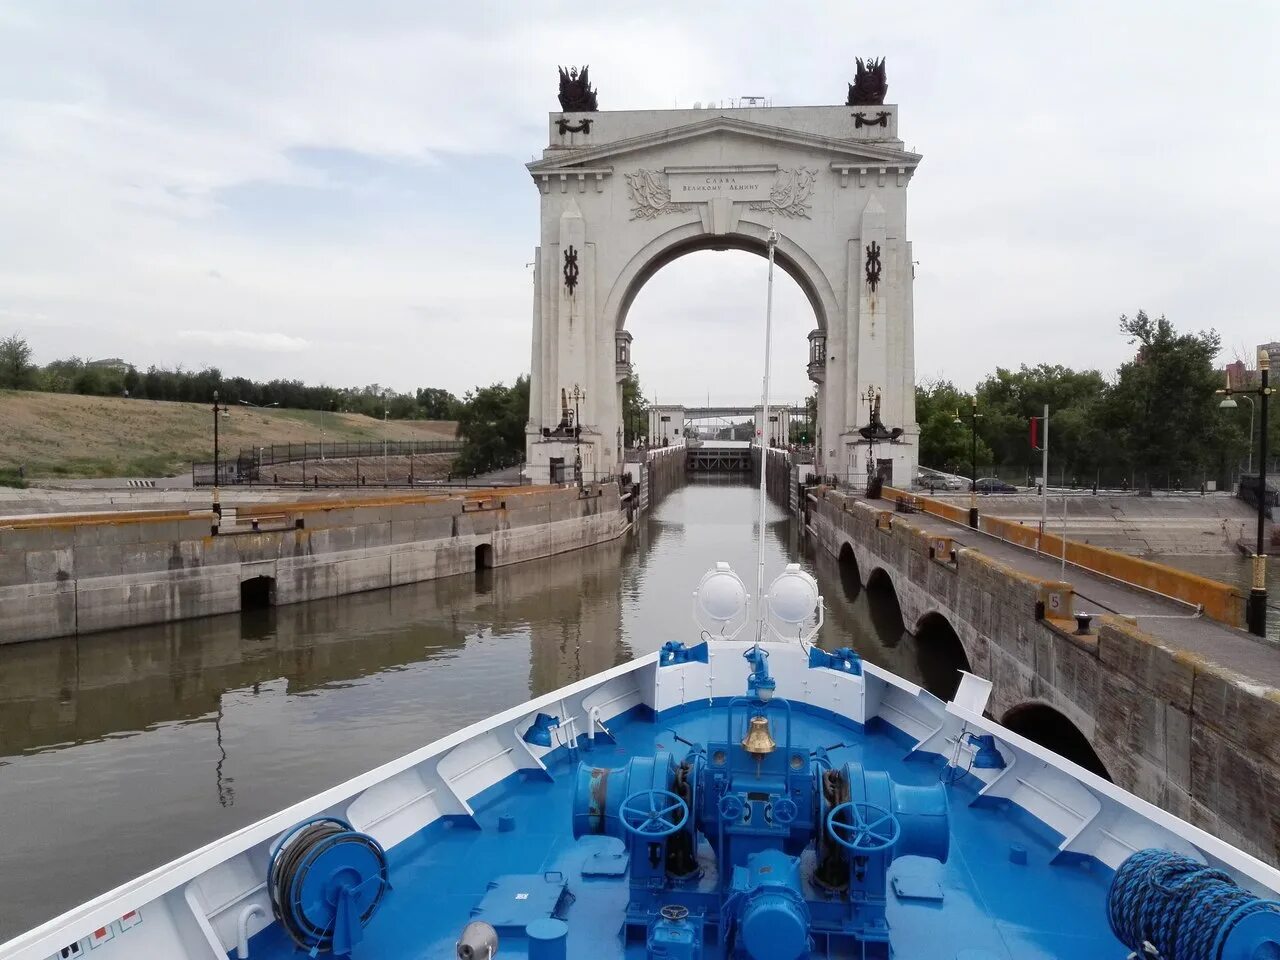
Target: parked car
994,485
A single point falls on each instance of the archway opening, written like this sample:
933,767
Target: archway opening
484,556
257,593
886,611
1042,724
939,656
696,315
850,578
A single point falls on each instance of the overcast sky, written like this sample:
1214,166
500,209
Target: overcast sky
335,191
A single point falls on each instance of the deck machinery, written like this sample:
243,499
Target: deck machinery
755,844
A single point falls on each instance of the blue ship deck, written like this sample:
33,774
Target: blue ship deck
992,908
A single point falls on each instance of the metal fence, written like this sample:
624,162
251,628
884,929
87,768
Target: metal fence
250,464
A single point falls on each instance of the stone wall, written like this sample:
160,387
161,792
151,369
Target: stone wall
66,575
1185,734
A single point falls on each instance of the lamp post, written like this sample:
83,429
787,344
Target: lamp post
973,459
1256,611
217,459
385,425
577,396
1230,404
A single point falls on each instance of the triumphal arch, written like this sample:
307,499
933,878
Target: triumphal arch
625,192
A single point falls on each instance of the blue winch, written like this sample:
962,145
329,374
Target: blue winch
326,881
757,840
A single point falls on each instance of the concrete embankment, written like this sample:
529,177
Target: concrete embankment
67,575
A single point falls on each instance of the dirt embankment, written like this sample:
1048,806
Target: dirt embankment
66,435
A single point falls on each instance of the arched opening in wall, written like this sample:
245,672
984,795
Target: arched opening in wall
696,315
257,593
850,579
939,656
886,611
484,556
1042,724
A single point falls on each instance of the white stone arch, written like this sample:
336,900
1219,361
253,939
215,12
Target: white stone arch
625,193
690,238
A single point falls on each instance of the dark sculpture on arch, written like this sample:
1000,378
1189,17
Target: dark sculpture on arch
576,95
869,85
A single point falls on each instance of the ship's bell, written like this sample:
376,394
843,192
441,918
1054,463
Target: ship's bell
759,741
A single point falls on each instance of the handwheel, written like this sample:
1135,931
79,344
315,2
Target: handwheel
785,811
653,813
869,828
731,807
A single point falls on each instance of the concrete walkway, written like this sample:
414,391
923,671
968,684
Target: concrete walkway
1173,622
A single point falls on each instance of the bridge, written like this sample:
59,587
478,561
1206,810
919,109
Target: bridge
1134,670
673,421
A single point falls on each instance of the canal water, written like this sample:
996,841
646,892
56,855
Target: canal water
121,751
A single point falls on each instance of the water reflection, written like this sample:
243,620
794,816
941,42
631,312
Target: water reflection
148,742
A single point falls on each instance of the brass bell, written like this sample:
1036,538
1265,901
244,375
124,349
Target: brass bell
759,741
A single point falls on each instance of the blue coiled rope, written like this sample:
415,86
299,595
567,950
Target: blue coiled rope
1181,907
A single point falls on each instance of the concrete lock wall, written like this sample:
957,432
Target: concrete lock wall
1176,730
62,576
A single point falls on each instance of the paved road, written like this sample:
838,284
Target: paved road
1172,621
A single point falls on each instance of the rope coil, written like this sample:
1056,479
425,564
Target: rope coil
311,868
1183,909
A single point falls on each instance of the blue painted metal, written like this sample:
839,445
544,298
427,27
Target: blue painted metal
539,732
988,756
548,939
767,907
759,684
674,652
326,882
844,660
993,908
675,934
514,901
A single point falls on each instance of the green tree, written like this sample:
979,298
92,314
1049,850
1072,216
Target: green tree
1162,411
635,410
16,368
491,425
435,403
944,444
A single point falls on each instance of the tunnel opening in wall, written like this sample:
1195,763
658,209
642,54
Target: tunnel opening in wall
886,611
1042,724
257,593
850,578
484,556
939,656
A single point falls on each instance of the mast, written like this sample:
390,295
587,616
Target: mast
764,438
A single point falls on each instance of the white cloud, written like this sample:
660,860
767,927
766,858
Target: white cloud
245,339
1081,160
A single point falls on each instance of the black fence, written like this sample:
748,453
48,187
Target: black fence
342,450
251,464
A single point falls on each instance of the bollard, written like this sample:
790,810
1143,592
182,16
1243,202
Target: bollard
1082,624
548,939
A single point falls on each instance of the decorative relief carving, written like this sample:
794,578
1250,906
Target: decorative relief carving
860,120
583,126
789,195
873,265
650,196
570,269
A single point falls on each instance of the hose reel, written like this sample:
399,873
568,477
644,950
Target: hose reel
326,881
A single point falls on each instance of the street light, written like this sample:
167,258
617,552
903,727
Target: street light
1256,611
217,459
1230,404
973,459
385,413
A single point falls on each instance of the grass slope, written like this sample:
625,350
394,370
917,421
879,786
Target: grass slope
66,435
